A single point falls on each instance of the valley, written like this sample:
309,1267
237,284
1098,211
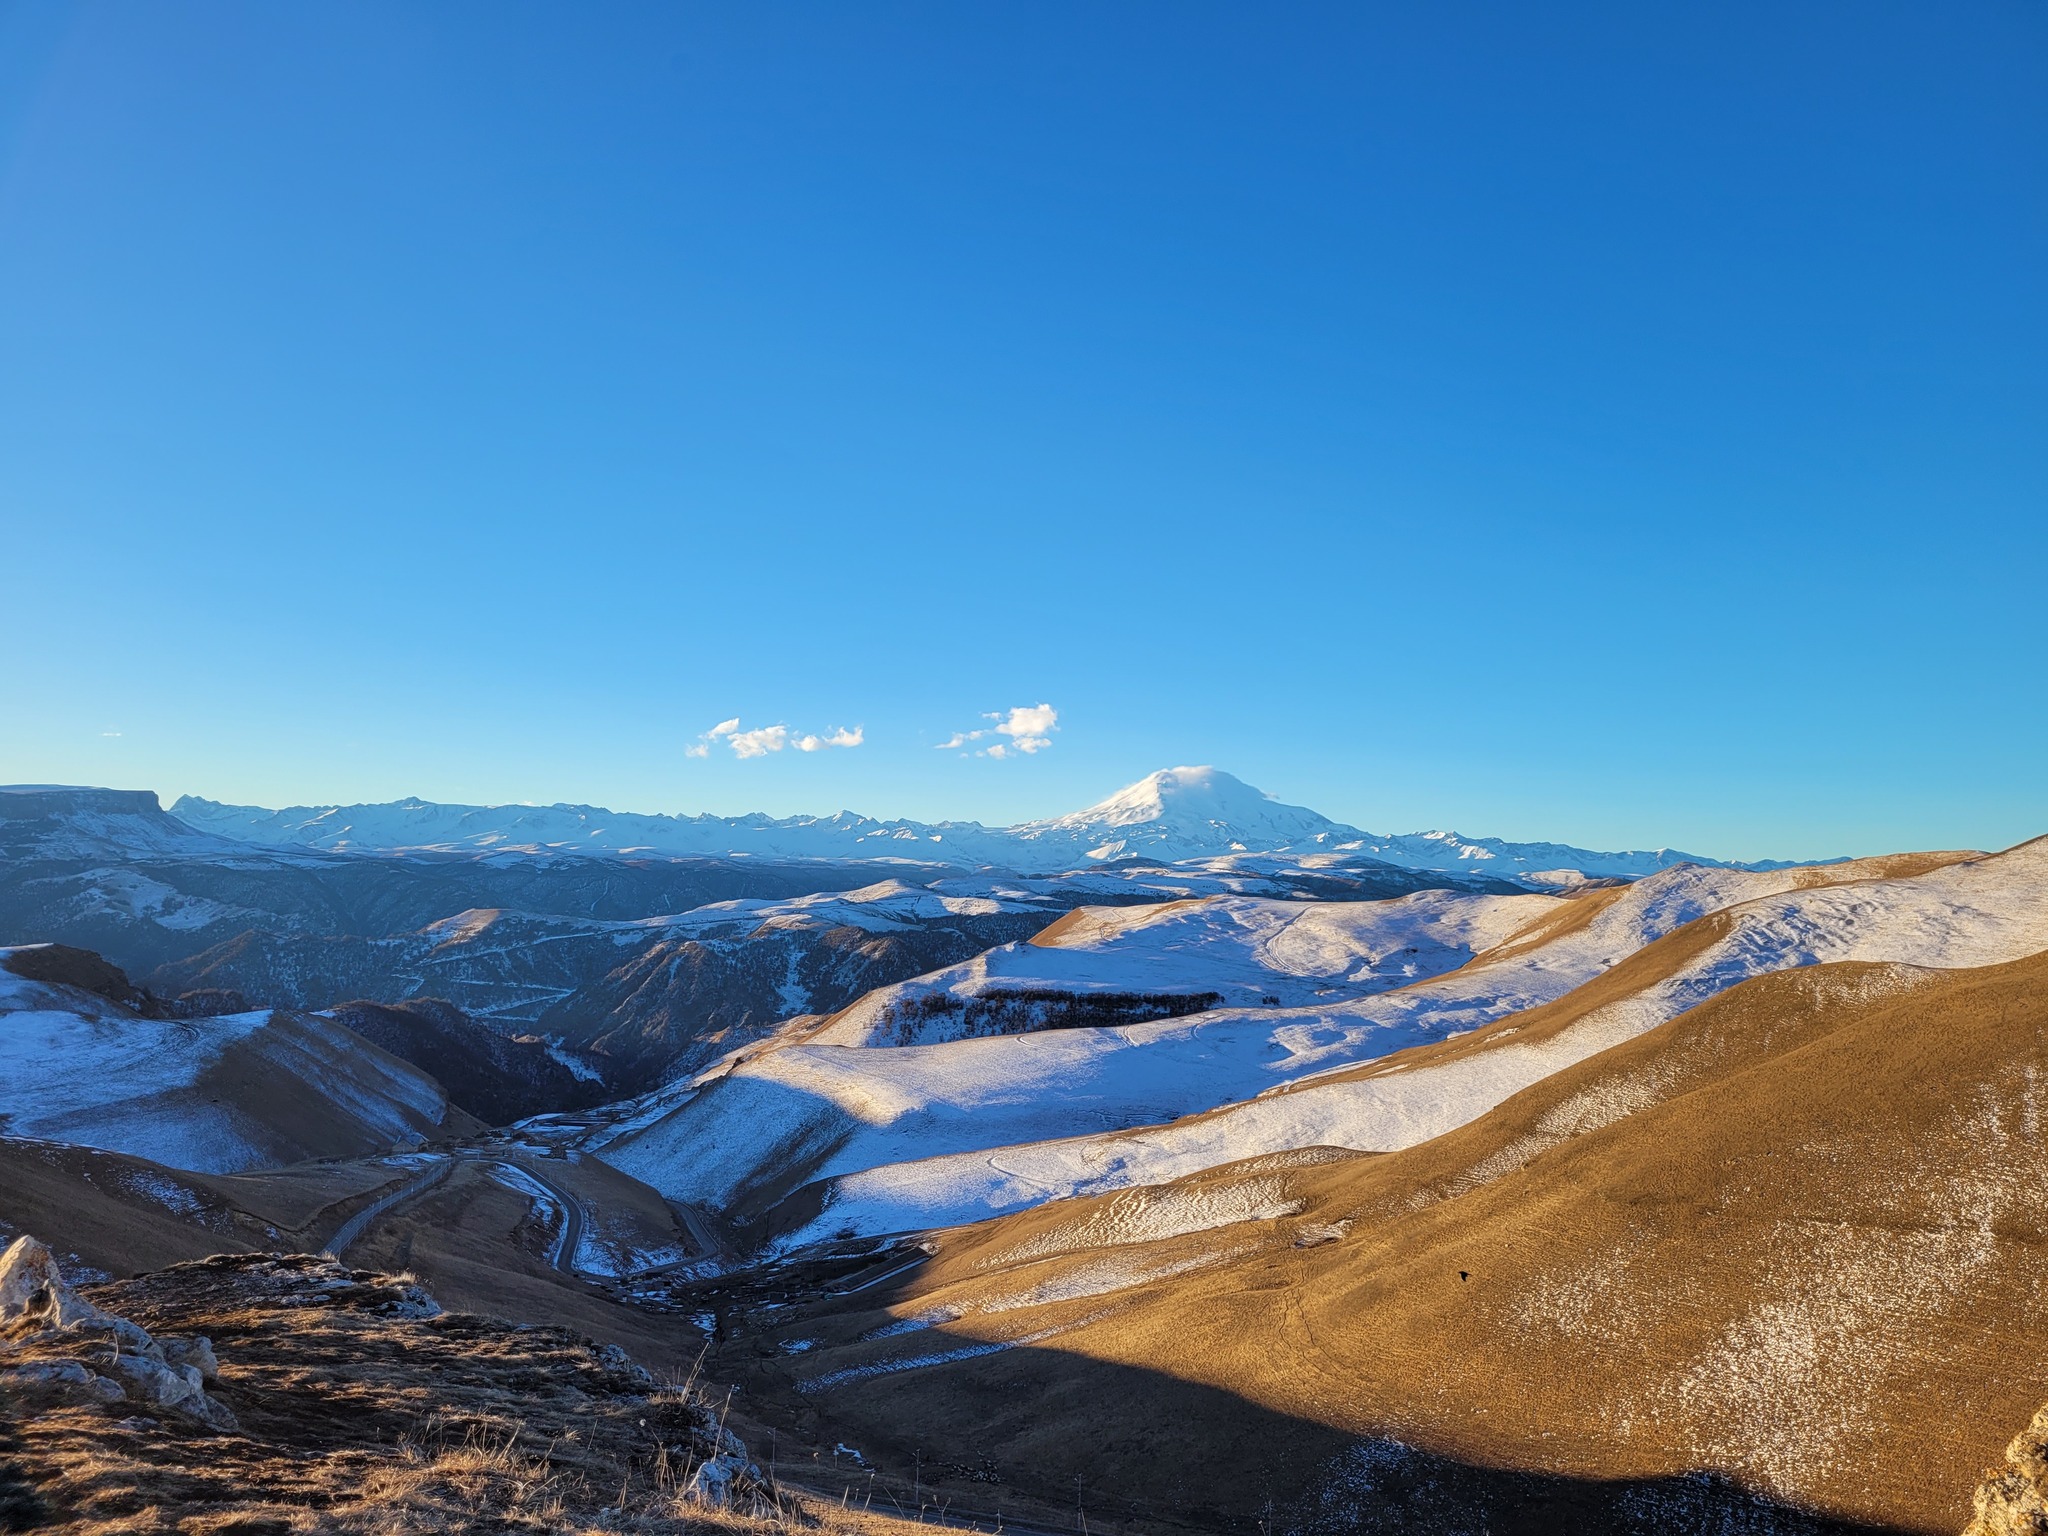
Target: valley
1136,770
1193,1171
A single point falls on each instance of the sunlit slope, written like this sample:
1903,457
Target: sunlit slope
1240,950
1793,1237
936,1135
217,1095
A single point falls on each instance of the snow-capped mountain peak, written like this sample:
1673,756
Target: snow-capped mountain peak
1184,813
1186,795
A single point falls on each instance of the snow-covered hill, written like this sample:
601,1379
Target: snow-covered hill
217,1095
1170,816
906,1137
1243,951
657,964
654,995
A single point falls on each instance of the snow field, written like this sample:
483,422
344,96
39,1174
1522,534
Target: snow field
1248,949
940,1134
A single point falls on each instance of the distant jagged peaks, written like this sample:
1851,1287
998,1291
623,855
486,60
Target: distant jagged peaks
1167,816
1174,814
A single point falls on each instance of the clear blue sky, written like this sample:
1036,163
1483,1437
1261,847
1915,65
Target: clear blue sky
1617,423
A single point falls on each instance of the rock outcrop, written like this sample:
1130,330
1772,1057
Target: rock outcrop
2014,1501
62,965
364,1409
56,1345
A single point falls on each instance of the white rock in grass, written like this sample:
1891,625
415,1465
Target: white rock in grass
38,1309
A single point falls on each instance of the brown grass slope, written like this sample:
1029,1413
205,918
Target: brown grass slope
477,1244
121,1215
118,1215
1792,1238
359,1407
295,1090
1657,961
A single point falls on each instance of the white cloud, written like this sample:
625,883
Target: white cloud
840,737
758,742
764,739
1029,727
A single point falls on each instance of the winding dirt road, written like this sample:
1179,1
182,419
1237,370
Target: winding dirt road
562,1256
351,1231
570,1239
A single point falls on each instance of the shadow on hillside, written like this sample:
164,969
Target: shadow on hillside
1049,1438
21,1507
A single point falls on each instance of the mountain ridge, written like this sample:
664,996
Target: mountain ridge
1172,815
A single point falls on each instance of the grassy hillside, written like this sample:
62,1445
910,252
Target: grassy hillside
1790,1240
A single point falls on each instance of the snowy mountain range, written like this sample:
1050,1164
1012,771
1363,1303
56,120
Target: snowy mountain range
1173,815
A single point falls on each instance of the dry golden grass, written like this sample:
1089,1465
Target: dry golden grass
1792,1239
477,1248
474,1241
1577,910
358,1417
1087,925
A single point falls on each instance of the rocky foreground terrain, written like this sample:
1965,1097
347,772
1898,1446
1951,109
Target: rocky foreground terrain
264,1395
2013,1500
245,1395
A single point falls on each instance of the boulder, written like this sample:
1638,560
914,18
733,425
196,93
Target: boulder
55,1345
2013,1500
197,1353
33,1293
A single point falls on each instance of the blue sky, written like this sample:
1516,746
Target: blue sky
1619,424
